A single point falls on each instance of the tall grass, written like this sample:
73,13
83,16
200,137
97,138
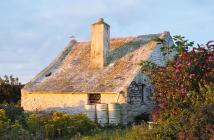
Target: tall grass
135,132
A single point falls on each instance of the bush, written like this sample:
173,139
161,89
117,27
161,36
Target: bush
4,122
37,126
13,112
184,109
61,124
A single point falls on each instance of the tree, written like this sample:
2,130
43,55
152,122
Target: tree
184,92
10,89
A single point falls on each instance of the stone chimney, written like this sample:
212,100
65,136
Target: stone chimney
100,36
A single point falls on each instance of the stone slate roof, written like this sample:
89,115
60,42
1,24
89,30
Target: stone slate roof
70,72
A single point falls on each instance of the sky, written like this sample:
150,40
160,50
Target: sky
33,32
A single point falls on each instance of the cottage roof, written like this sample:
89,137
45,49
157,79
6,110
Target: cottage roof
70,71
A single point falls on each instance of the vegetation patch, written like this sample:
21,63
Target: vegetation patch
37,126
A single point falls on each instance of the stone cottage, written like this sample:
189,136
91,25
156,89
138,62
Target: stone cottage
103,70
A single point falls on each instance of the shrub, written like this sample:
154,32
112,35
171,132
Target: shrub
37,126
61,124
13,112
184,92
4,122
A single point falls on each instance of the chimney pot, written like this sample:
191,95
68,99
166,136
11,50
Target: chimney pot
101,20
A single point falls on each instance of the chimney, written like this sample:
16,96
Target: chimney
100,35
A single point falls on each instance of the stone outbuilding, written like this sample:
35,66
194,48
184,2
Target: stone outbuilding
103,70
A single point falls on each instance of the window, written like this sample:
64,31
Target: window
48,74
94,98
142,93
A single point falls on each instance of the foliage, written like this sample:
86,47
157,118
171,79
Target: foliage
184,92
38,126
10,89
13,112
61,124
180,43
4,122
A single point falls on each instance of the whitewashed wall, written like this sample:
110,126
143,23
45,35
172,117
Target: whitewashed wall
65,102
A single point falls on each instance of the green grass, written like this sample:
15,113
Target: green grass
135,132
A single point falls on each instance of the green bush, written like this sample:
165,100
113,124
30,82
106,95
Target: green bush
37,126
60,124
13,112
4,122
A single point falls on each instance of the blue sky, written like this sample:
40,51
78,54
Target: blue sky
33,32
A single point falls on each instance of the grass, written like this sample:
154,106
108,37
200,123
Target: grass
135,132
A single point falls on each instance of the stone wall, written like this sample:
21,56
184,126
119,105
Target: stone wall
135,103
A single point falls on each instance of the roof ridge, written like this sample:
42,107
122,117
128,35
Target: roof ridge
129,37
